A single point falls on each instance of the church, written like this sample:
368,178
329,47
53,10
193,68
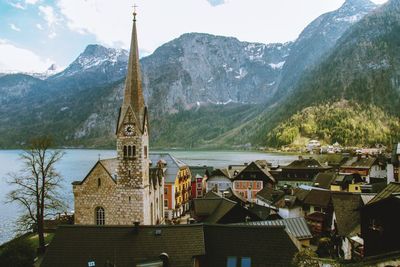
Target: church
130,188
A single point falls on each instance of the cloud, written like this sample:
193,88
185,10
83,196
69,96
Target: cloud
17,5
13,58
160,21
48,14
31,2
14,28
52,20
39,26
216,2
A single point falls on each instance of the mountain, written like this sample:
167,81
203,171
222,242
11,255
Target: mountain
345,122
364,68
202,90
317,40
199,69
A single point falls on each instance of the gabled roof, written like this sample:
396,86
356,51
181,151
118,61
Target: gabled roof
324,179
307,164
109,165
270,194
173,165
200,170
296,226
255,171
320,198
359,163
234,170
346,207
387,192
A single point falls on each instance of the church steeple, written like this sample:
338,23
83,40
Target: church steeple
133,95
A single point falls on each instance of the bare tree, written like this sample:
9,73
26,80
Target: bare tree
36,186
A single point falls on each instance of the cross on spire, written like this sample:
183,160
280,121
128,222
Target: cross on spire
134,11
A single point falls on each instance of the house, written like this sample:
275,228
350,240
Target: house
301,172
369,168
346,224
348,182
198,245
324,179
380,222
296,226
219,181
252,179
269,196
317,208
290,205
318,201
393,174
313,145
177,184
214,208
199,176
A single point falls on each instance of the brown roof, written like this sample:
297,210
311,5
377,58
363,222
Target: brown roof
310,163
387,192
125,246
320,198
346,207
324,179
359,163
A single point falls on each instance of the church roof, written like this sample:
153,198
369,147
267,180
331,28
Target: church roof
133,94
173,165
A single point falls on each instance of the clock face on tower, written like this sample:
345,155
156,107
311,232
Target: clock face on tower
128,129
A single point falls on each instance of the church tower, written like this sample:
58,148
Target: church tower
125,189
132,134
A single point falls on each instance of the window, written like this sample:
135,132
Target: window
98,182
125,152
129,151
166,203
100,216
231,262
245,262
145,152
165,190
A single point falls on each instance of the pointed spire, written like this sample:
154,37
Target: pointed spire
133,86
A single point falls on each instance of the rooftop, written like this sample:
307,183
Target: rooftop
387,192
173,165
296,226
129,245
346,207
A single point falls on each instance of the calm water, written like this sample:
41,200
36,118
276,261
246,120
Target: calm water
77,162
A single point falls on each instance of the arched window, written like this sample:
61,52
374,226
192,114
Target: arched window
133,151
129,151
98,182
125,152
100,216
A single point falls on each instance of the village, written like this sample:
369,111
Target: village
341,211
331,206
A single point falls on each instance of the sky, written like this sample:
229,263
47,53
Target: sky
37,33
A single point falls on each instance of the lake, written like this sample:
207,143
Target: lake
76,163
